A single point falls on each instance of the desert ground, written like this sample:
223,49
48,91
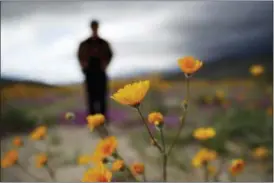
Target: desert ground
243,115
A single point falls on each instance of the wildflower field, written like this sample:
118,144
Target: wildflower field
180,130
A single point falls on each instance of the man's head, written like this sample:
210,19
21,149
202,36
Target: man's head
94,25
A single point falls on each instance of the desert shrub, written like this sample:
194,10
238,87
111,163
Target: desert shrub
251,127
16,120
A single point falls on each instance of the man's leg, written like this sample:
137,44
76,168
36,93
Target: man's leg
103,95
90,94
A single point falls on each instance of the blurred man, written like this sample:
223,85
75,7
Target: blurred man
94,55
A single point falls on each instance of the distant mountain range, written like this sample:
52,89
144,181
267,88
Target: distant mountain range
5,81
223,69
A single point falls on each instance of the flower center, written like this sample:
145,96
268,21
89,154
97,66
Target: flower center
138,169
107,149
238,166
189,63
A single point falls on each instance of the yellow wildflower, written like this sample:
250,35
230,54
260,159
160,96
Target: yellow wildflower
17,141
10,158
6,163
132,94
95,120
117,165
155,118
204,133
39,133
137,168
260,152
41,160
203,156
189,64
12,155
69,116
97,174
220,94
107,146
97,157
256,70
237,166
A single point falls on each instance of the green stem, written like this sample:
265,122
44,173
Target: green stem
183,118
51,173
49,169
164,156
218,173
232,178
206,173
149,132
144,177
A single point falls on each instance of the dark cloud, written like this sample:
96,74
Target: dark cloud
227,29
209,30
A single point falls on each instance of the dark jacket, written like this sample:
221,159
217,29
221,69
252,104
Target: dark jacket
96,52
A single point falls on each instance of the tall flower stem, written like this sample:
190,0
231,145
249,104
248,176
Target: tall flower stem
144,177
164,156
149,132
206,173
49,169
217,175
183,117
232,178
51,173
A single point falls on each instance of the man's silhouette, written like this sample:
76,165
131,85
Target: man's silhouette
95,55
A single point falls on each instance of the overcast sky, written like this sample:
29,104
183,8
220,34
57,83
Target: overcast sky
39,40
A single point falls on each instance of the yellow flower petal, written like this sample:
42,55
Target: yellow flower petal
132,94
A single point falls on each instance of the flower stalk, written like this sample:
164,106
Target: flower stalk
149,131
183,117
232,178
164,156
218,173
206,172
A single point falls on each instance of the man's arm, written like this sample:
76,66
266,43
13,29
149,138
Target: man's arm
81,54
109,54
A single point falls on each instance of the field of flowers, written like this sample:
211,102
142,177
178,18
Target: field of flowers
190,130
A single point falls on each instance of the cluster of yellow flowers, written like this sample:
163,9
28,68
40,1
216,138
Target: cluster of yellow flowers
95,120
11,157
105,154
204,133
205,155
105,161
